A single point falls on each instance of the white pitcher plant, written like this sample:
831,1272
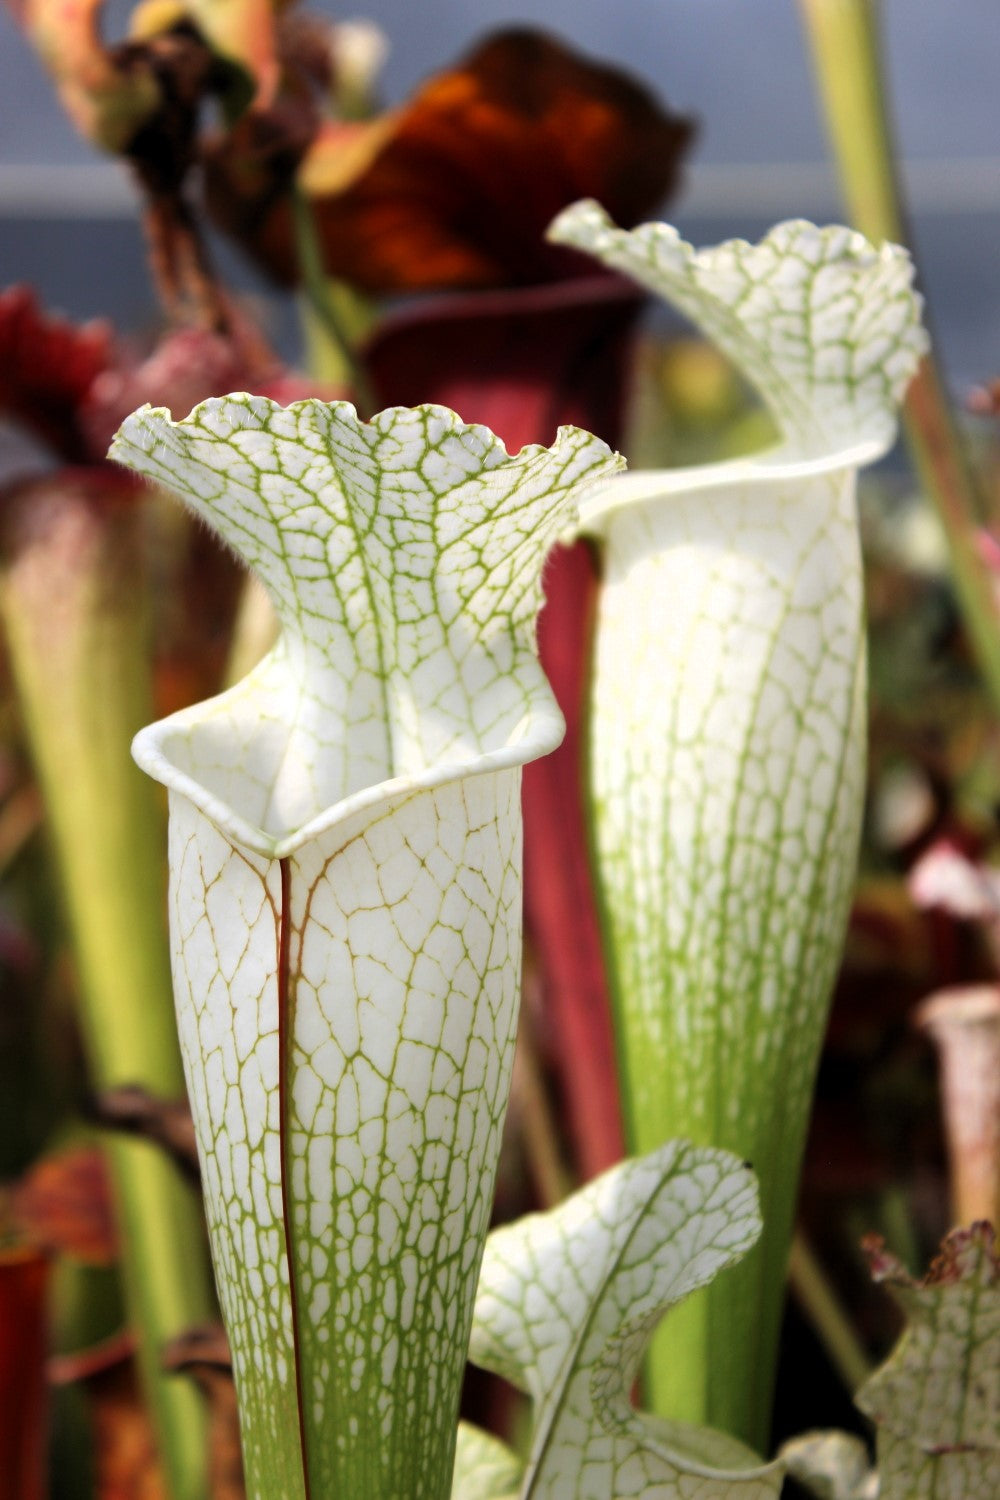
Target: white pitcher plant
345,892
345,906
728,732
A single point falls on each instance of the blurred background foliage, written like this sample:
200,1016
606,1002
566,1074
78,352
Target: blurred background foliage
298,197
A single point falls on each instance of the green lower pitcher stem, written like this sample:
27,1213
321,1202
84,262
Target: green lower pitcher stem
726,800
713,1360
74,609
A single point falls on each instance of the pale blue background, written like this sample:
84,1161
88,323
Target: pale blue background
739,65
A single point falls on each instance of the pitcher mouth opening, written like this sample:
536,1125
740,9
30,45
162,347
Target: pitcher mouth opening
779,463
193,753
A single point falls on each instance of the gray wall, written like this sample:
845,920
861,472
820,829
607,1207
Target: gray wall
739,65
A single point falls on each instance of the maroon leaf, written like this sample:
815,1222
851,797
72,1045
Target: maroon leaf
456,189
23,1392
187,367
47,370
483,159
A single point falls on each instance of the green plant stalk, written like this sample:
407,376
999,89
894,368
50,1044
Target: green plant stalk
844,39
818,1300
75,617
843,36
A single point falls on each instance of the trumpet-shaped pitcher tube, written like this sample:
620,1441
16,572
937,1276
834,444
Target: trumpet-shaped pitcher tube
728,741
345,907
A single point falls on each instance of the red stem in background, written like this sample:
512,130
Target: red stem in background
560,909
523,362
24,1404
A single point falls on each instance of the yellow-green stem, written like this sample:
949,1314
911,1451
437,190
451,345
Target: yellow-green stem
814,1293
844,39
74,610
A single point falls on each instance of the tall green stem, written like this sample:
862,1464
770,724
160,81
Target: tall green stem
844,39
820,1304
75,615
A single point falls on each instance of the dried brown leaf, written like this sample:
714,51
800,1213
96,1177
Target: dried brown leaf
64,1205
457,188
